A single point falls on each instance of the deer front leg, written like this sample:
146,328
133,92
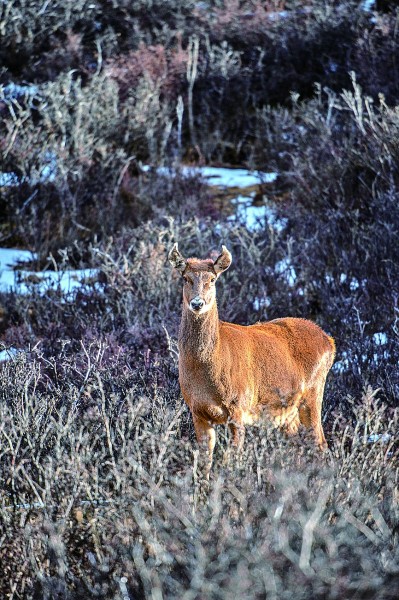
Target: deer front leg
206,437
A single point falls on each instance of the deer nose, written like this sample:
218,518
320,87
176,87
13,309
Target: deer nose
197,303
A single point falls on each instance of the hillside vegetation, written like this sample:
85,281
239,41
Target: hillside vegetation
101,495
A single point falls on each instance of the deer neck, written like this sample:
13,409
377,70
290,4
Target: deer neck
199,335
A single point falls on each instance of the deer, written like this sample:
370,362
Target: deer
238,374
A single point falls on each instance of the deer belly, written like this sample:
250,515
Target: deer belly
249,417
282,408
283,416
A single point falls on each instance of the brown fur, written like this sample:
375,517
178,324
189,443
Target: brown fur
237,374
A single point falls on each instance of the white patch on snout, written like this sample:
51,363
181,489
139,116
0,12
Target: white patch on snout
196,300
202,310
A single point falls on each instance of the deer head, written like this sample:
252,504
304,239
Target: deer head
199,292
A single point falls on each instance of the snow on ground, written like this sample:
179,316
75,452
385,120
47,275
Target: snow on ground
380,338
368,5
284,267
235,180
230,179
260,303
10,257
8,179
24,282
342,365
354,283
384,438
15,90
13,277
8,93
9,353
254,217
240,178
47,173
220,176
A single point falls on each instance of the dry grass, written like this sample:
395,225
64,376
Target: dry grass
113,494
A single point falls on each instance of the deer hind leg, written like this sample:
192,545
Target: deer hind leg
206,437
292,423
237,431
233,450
310,414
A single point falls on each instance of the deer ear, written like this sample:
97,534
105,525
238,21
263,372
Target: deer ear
176,259
223,261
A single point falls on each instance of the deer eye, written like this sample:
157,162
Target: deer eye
213,279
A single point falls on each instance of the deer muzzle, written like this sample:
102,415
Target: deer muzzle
196,304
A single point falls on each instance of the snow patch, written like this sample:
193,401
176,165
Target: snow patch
384,438
260,303
342,365
284,267
353,284
221,176
251,216
368,5
380,338
8,179
14,278
235,177
9,353
25,282
14,90
254,217
10,257
46,174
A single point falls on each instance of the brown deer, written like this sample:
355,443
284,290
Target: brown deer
234,374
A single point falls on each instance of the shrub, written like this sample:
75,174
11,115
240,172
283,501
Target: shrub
102,494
